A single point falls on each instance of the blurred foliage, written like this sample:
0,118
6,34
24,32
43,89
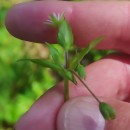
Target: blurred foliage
22,83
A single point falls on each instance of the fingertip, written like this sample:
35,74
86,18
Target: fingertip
91,19
26,20
80,113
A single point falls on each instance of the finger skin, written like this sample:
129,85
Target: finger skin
43,113
80,113
87,19
122,121
109,77
67,114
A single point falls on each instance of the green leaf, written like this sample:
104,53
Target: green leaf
49,64
56,56
93,43
79,56
70,76
80,69
107,111
65,35
44,63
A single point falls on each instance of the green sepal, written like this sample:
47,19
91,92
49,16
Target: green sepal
79,56
65,35
80,69
107,111
55,54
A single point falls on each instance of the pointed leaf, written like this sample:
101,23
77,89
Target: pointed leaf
81,71
65,35
59,69
44,63
94,42
79,56
56,56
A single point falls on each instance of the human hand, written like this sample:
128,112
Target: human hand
108,78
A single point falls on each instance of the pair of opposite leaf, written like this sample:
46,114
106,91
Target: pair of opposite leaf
68,68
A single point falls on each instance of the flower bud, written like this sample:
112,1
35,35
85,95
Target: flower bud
107,111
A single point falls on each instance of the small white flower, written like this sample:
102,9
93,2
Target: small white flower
55,20
49,22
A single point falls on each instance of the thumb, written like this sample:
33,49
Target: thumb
80,113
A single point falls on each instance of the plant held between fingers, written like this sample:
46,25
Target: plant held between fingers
70,68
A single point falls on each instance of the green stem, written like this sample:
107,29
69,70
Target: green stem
66,59
66,81
66,87
86,87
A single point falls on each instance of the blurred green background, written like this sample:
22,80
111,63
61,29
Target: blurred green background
22,83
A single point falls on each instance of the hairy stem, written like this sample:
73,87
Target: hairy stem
86,87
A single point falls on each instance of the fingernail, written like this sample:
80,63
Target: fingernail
81,113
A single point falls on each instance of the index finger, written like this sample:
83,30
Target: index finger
87,19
